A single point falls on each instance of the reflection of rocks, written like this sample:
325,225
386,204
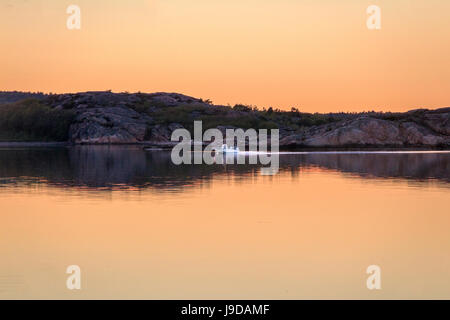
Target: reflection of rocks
409,166
110,167
105,166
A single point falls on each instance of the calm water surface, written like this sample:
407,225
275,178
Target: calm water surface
141,227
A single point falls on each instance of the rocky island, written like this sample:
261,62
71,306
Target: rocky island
104,117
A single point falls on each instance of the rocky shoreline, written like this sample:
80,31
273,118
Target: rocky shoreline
150,119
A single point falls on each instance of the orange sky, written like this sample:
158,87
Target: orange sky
316,55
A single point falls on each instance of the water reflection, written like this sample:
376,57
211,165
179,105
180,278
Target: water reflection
109,167
309,232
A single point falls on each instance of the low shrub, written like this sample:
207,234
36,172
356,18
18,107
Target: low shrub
30,120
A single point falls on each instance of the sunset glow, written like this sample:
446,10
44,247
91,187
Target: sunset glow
318,56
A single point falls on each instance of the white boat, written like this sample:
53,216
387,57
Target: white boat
226,149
